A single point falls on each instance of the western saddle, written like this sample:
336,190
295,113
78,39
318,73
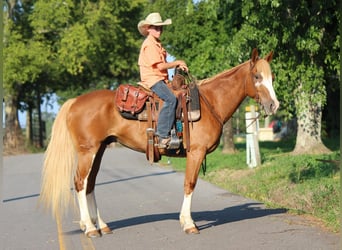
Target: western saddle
138,103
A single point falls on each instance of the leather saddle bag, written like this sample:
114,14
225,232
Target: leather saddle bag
130,98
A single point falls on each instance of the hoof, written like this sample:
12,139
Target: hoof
93,234
192,230
83,226
106,230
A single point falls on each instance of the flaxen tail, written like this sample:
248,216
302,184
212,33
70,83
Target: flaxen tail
59,166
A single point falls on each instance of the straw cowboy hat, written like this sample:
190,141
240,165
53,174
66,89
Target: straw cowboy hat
152,19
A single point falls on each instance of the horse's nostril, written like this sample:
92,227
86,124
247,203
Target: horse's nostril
274,106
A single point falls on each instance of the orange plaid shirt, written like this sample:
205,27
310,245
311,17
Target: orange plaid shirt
151,54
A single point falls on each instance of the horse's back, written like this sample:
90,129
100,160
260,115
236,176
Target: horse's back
97,97
91,115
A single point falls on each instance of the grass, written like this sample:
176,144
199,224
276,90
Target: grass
303,184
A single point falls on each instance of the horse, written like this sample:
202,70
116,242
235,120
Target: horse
85,125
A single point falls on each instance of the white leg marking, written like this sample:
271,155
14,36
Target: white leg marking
100,222
87,209
92,207
85,222
94,212
185,215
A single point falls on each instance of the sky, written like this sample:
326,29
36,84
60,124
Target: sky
51,107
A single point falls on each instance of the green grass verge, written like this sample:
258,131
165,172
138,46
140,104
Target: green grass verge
301,183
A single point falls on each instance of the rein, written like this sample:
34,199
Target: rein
212,110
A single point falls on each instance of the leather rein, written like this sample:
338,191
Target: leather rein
211,109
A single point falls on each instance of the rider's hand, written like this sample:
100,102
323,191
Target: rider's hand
182,65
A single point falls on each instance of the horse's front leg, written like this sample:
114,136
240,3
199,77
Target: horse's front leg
185,218
193,163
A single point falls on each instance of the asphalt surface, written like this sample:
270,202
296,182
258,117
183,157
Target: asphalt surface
141,204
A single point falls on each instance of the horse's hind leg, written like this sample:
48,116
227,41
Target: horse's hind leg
92,206
88,167
85,161
95,214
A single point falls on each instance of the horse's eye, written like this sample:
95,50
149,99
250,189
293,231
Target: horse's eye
258,77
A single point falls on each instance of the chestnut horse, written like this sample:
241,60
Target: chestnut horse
86,124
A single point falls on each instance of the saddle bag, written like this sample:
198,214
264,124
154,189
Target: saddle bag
130,98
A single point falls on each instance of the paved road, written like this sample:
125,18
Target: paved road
141,203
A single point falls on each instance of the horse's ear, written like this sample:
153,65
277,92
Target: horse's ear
255,55
269,57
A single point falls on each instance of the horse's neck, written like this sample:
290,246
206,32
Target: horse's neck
226,91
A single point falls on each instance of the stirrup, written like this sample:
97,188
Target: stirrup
163,143
175,141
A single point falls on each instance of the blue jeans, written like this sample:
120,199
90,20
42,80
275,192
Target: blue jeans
168,112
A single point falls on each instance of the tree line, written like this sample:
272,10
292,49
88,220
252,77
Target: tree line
71,47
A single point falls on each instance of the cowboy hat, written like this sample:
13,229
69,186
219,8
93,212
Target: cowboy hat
152,19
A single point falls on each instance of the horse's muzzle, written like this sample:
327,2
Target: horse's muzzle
271,107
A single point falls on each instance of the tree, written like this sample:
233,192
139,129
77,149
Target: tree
196,35
228,138
74,46
307,53
24,60
67,47
96,43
